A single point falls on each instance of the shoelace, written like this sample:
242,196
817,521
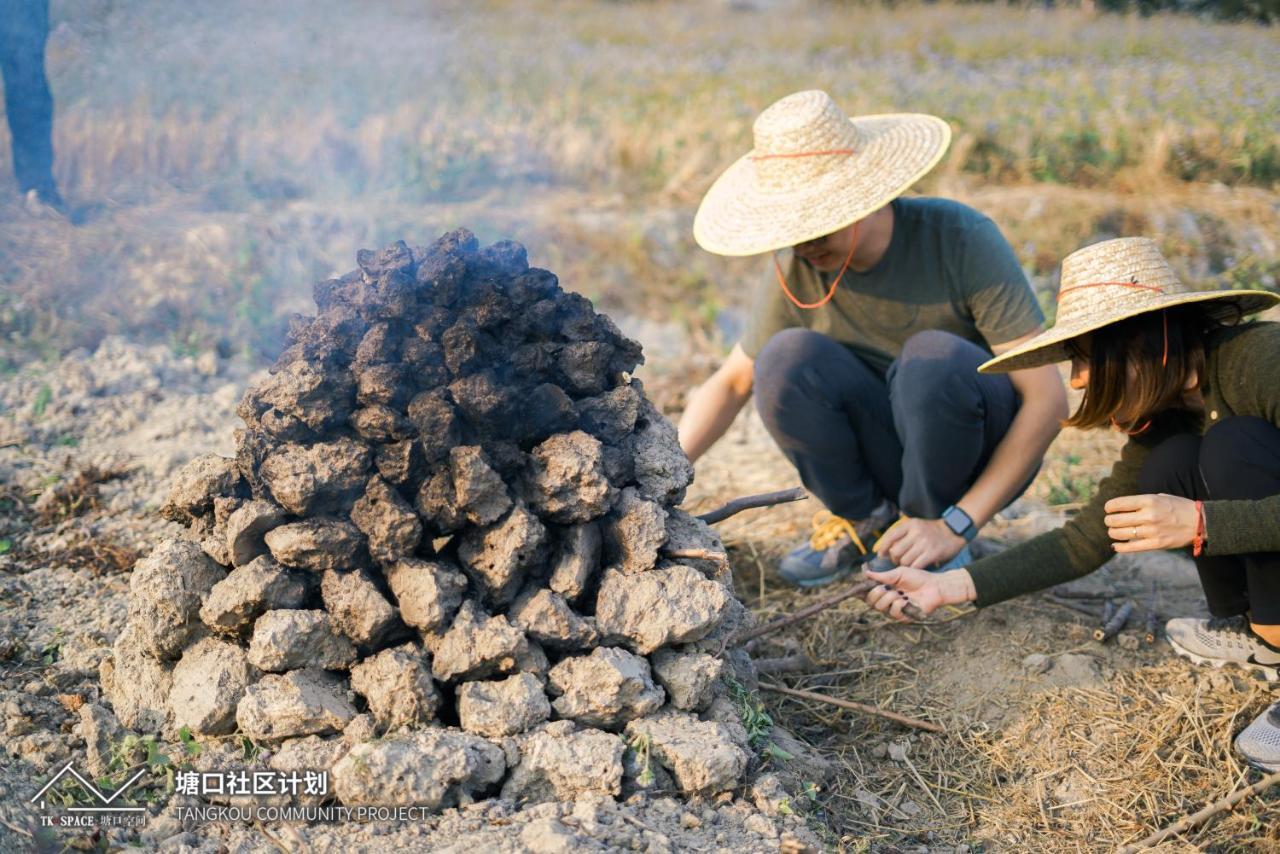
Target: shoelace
828,528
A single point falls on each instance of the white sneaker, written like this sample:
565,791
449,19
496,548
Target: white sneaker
1259,742
1223,640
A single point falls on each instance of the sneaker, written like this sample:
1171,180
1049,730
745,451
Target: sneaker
963,558
835,547
1259,742
1222,640
44,204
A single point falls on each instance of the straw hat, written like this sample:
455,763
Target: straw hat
814,171
1112,281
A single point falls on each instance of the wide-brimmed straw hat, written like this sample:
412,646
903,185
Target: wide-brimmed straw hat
814,171
1112,281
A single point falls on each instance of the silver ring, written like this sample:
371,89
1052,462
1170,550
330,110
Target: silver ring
1135,534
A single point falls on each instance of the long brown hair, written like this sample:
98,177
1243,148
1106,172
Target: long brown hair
1141,365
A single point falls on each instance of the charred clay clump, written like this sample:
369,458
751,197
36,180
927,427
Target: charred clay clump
436,565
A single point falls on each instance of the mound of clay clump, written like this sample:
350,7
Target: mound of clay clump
448,525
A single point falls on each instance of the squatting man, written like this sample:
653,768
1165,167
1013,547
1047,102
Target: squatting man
862,347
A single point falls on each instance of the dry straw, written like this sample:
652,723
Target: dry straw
814,171
1092,769
1112,281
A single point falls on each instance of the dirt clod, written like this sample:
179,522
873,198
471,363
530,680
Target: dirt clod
444,524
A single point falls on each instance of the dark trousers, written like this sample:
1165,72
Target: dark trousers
24,28
919,436
1237,459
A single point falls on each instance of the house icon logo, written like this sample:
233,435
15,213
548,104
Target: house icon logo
102,809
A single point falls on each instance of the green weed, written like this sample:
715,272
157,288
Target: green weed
43,397
189,743
755,719
641,746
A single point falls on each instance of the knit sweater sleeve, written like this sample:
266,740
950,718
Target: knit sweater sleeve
1077,548
1249,381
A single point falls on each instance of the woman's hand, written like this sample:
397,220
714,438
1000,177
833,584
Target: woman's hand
919,542
1143,523
927,590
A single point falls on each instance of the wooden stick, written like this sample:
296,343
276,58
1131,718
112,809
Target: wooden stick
857,707
1079,594
748,502
1189,821
1072,604
720,558
1113,626
1152,634
698,554
786,664
860,588
1153,619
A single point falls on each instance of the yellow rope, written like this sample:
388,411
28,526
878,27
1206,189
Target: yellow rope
827,530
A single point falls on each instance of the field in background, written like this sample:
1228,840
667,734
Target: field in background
219,163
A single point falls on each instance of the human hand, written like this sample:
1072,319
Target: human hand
919,542
1142,523
926,590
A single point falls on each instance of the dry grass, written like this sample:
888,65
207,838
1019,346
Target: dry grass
432,102
208,201
1099,768
1082,768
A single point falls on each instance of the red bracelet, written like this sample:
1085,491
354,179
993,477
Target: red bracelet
1197,542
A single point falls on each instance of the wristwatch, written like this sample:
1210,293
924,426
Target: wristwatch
960,523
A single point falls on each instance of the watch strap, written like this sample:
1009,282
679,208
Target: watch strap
960,523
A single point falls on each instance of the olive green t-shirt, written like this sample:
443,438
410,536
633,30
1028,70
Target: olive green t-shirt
947,267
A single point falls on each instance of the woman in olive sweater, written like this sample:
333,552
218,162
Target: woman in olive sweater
1198,393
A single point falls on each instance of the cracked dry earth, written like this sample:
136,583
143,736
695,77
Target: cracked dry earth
89,448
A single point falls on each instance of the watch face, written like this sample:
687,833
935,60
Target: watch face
957,520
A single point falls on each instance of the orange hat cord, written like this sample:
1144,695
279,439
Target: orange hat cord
782,279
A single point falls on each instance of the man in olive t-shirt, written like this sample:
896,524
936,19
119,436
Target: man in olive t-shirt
862,349
947,267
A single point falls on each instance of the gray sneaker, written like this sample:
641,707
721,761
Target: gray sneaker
1222,640
836,546
1259,743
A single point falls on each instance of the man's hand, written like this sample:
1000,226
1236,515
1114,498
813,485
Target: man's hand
919,543
926,590
1143,523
